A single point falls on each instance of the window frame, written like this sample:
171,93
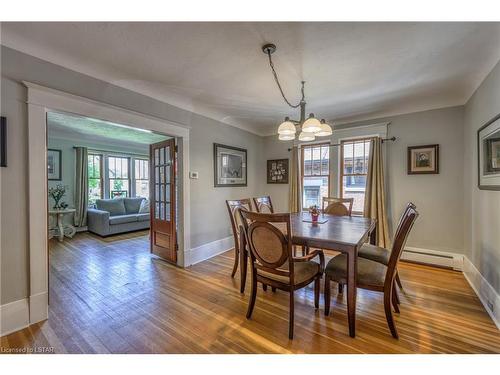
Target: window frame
302,169
342,166
134,177
129,176
101,174
105,178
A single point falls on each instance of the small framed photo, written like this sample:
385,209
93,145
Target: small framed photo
230,166
54,165
277,171
488,138
423,159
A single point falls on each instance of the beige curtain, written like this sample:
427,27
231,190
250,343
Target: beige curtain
81,186
295,195
375,207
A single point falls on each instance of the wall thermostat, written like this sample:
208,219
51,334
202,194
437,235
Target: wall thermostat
193,175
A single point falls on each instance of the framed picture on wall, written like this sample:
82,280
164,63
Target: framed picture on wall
488,138
54,165
230,166
277,171
423,159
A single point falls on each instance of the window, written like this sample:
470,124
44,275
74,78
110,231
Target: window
119,183
95,178
141,178
315,174
354,168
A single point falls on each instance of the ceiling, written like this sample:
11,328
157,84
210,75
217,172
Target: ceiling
354,71
80,128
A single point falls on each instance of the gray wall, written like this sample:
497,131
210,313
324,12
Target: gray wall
209,220
482,207
439,198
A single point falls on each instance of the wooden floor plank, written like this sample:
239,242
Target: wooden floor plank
112,296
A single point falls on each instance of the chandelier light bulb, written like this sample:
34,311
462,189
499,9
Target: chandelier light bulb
325,130
306,137
286,137
287,127
311,125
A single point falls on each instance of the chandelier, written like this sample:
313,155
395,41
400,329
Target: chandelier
311,127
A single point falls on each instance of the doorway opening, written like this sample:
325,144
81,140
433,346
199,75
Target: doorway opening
109,179
112,194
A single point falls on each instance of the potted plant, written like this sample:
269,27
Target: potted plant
57,193
314,211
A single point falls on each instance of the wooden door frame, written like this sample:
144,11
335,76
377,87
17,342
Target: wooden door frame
42,100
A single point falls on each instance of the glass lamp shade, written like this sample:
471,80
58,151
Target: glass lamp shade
305,137
325,130
311,125
287,128
286,137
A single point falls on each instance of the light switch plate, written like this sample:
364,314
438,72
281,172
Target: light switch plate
193,175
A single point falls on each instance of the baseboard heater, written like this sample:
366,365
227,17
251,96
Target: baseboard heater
434,258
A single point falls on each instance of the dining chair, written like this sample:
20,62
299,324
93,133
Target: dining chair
272,260
233,206
263,204
337,206
373,275
380,254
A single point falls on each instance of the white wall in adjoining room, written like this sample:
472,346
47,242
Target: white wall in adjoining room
439,198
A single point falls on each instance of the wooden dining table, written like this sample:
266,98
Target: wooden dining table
345,234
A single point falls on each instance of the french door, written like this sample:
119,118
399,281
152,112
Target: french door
162,198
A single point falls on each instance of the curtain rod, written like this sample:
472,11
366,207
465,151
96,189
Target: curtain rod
392,139
113,152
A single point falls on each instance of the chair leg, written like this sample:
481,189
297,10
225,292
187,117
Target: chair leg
273,288
388,314
395,301
341,288
291,318
327,296
316,292
303,250
398,280
253,296
396,295
236,261
243,270
264,287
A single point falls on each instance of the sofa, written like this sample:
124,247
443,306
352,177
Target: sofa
120,215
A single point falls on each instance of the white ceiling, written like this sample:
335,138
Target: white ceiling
353,71
95,131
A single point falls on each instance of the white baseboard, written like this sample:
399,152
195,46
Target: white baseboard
433,257
483,289
39,304
208,250
14,316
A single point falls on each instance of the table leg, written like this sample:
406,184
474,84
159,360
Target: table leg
373,236
71,231
60,226
351,292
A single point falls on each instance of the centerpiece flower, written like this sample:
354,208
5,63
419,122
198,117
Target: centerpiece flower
57,193
314,211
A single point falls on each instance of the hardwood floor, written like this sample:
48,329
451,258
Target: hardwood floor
112,296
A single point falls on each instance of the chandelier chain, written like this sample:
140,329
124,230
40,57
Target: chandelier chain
275,75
